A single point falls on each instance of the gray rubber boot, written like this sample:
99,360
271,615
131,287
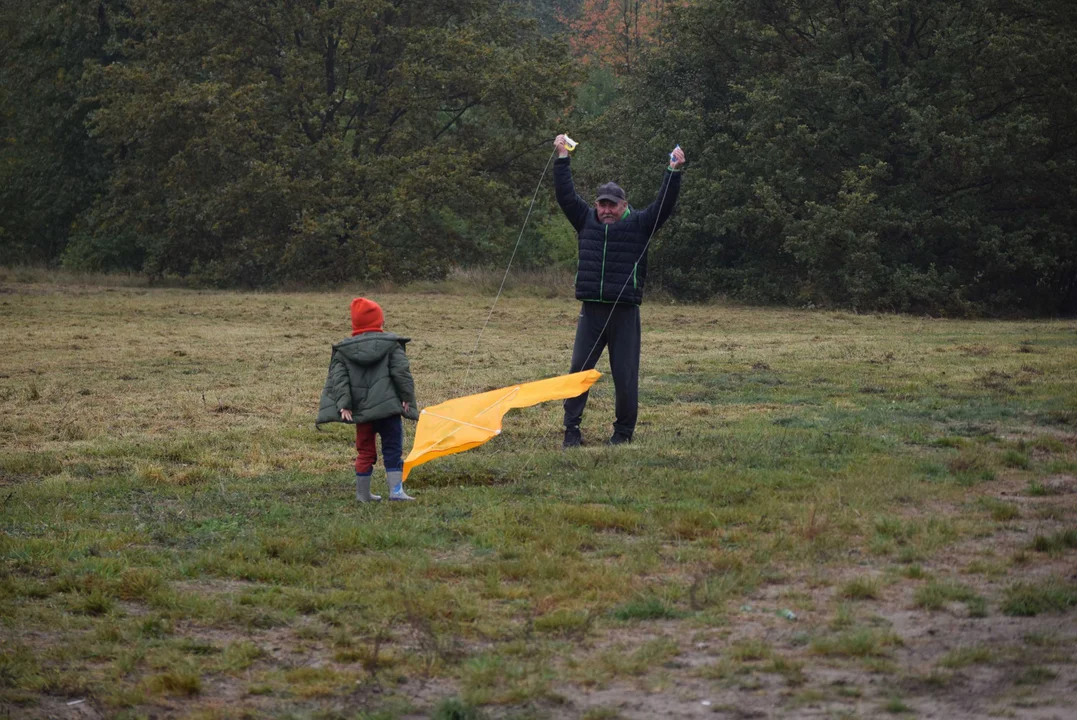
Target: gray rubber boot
362,489
395,478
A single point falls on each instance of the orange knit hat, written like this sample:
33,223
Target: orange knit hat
366,316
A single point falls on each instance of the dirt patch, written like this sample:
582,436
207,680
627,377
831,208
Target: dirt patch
944,663
1060,484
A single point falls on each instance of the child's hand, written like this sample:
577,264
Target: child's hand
405,407
346,414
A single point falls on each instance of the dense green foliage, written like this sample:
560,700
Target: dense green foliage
882,154
879,154
316,141
50,170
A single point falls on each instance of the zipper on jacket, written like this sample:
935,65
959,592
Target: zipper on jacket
602,277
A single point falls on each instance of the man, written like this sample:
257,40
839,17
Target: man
612,268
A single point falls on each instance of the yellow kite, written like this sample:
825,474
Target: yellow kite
466,422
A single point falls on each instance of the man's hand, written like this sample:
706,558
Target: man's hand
676,158
559,146
345,414
405,407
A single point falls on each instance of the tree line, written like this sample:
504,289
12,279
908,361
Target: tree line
868,154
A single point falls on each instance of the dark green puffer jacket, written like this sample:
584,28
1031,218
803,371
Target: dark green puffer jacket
369,375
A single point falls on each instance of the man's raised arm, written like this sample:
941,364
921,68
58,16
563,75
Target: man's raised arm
654,215
574,206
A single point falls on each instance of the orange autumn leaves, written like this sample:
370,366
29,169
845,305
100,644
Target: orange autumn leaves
614,34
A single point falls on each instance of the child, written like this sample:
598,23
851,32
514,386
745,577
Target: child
370,384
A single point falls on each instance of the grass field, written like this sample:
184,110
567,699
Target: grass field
824,515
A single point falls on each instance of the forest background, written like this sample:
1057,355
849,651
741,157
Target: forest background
869,154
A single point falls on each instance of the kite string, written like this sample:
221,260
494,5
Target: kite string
471,355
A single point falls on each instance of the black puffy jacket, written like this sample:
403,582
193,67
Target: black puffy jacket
612,258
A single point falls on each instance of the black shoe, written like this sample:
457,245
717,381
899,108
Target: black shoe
619,438
572,437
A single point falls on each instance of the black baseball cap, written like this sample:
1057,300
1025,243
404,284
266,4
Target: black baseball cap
611,191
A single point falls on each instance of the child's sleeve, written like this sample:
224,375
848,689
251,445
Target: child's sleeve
337,394
400,371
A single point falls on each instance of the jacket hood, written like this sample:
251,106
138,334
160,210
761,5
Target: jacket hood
369,347
367,316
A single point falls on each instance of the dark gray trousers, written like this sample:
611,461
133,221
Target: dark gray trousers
618,327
